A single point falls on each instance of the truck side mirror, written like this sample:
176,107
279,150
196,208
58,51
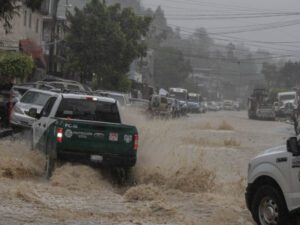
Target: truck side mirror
33,113
293,146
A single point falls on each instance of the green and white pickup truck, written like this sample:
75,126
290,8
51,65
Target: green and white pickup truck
84,128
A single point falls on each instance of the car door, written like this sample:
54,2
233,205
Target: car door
40,126
294,173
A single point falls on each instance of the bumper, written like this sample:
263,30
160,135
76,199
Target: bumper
109,160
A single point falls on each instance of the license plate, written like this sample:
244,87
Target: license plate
96,158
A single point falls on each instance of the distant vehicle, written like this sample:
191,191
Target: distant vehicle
84,128
159,106
287,102
259,106
139,103
38,85
285,97
203,106
67,85
122,98
228,105
273,189
194,102
34,98
237,105
182,96
212,106
220,104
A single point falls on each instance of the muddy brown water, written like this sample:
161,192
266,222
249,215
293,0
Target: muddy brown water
189,171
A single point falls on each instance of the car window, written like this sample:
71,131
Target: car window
58,85
35,98
48,107
21,91
88,110
73,87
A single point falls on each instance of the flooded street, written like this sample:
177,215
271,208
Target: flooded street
189,171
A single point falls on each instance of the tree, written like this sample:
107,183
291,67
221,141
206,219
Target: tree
15,65
289,74
10,8
170,67
104,40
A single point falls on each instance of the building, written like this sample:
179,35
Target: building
25,35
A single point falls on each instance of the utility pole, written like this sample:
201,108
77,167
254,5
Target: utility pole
52,36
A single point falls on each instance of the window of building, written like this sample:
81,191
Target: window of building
37,25
30,14
25,18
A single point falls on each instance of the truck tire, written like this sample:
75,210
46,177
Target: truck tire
50,160
269,207
49,166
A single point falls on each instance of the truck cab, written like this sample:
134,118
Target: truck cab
273,190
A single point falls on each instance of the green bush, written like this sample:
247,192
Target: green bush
15,65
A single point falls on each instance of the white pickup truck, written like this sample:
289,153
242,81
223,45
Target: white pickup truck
273,191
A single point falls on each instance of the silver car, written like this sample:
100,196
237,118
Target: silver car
33,98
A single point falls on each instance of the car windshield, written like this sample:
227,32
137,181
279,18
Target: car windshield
286,97
58,85
35,98
88,110
179,95
73,87
193,99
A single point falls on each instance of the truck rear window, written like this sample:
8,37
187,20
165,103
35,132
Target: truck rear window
88,110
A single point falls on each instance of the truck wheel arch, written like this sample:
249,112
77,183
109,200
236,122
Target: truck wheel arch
261,181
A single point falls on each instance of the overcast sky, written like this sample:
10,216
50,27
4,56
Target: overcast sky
180,12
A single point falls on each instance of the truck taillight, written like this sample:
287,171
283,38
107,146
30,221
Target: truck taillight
135,142
59,135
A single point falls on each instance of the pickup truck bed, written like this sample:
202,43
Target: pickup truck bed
83,139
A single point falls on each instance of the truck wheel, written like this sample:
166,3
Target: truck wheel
268,207
49,166
50,160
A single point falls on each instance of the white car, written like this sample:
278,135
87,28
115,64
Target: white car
122,98
273,191
33,98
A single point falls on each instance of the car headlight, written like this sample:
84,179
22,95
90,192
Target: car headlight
18,110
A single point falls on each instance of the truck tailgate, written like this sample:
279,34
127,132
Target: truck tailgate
90,137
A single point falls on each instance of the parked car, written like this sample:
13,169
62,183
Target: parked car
139,103
212,106
122,98
67,85
237,106
84,128
228,105
203,106
34,98
18,91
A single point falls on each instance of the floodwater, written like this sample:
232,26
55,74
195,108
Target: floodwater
190,171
